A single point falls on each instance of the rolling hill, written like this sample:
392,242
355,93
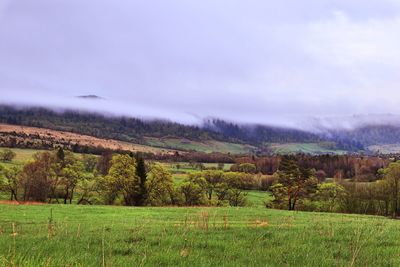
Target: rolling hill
214,135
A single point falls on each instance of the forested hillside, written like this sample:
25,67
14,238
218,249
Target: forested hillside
141,131
133,129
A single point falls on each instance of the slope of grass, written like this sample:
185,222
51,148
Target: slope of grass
385,148
308,148
205,146
123,236
22,155
257,198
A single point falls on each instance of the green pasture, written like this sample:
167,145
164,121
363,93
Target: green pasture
71,235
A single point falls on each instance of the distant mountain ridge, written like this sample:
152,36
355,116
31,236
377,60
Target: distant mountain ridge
94,97
351,139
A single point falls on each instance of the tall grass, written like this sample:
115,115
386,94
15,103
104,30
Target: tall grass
56,235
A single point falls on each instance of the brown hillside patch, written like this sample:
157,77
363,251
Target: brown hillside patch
83,140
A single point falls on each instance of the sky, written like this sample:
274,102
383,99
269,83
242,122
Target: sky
272,62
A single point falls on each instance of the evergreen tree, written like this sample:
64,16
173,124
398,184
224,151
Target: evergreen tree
142,174
294,183
60,154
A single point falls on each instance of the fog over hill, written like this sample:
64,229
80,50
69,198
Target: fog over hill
351,134
314,124
347,123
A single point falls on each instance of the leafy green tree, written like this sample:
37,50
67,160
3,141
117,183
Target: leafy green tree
122,179
392,180
193,193
212,180
71,174
7,155
160,186
11,181
329,194
236,182
247,168
89,190
89,162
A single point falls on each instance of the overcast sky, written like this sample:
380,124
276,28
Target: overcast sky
245,60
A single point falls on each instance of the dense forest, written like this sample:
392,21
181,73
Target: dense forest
369,135
134,129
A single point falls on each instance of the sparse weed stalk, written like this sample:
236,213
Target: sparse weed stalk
225,219
50,226
14,248
203,220
78,232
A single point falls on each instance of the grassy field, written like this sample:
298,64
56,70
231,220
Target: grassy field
205,146
22,156
308,148
122,236
385,149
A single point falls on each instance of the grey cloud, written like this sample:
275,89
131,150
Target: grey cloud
250,61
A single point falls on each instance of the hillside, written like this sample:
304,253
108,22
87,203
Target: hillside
24,134
34,137
213,135
206,137
134,129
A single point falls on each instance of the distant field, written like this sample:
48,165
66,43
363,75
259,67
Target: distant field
22,156
258,198
205,146
71,235
385,149
310,148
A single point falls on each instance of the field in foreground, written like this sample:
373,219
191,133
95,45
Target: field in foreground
122,236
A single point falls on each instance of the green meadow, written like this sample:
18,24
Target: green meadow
71,235
76,235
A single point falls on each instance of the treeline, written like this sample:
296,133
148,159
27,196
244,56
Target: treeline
118,179
297,188
60,176
355,167
259,134
369,135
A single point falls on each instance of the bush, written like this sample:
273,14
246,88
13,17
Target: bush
7,155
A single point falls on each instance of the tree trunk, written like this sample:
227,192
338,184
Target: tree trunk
290,203
71,196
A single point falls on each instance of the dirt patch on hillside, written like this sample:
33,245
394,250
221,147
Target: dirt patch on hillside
83,140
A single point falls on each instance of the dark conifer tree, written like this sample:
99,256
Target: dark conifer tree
60,154
142,174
